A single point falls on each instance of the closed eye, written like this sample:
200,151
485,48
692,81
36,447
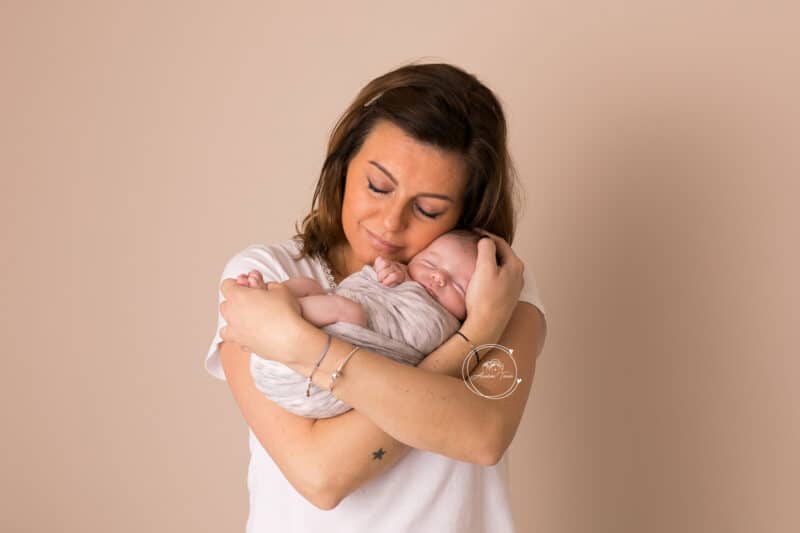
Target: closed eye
421,211
426,214
373,188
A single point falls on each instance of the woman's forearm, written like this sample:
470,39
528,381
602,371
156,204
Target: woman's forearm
284,435
325,459
422,407
356,449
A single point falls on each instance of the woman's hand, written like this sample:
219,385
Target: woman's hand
265,321
494,289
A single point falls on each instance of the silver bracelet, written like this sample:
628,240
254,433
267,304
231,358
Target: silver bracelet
324,352
338,371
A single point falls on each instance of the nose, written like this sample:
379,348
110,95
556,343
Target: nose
394,217
438,277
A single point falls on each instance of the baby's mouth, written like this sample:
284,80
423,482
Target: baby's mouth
430,291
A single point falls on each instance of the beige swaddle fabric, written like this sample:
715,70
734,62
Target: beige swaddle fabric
404,323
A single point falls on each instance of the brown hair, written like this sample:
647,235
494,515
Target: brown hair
467,236
435,103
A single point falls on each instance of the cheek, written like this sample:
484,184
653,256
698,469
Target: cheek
354,206
455,302
423,234
362,205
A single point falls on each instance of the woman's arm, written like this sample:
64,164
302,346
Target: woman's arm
425,409
325,459
328,459
269,322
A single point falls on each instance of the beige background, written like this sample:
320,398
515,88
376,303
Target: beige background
143,143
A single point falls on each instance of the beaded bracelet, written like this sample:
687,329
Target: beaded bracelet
338,371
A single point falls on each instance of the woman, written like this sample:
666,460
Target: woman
421,150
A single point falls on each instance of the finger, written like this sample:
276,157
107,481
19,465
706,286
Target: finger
228,287
487,253
505,254
272,285
255,280
392,279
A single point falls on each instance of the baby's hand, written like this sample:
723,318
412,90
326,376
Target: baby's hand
390,273
252,280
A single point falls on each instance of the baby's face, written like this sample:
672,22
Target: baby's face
444,268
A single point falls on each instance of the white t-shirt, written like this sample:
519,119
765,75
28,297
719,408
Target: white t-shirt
423,491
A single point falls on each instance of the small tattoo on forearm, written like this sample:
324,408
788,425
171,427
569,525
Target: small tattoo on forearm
378,454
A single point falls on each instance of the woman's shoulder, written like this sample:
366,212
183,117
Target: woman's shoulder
271,252
276,262
530,290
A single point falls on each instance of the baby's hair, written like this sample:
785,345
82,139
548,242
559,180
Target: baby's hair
466,237
470,238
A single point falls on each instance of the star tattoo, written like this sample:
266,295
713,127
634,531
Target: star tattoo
378,454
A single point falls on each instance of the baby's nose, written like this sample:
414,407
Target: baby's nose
438,277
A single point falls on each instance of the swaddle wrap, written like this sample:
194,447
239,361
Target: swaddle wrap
404,323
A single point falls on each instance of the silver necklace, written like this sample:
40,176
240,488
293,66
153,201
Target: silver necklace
328,274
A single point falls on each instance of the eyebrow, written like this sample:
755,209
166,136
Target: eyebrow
394,180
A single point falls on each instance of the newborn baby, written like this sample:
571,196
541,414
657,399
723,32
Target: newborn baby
443,269
403,312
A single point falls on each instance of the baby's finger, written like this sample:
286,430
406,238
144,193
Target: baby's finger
254,283
393,279
380,263
390,268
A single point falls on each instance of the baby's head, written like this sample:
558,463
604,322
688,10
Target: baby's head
445,267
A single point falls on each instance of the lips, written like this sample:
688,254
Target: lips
430,291
382,245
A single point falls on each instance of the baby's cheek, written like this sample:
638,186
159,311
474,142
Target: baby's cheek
454,303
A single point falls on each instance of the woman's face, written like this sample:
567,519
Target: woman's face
399,195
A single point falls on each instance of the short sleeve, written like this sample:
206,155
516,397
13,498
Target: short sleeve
530,291
254,257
